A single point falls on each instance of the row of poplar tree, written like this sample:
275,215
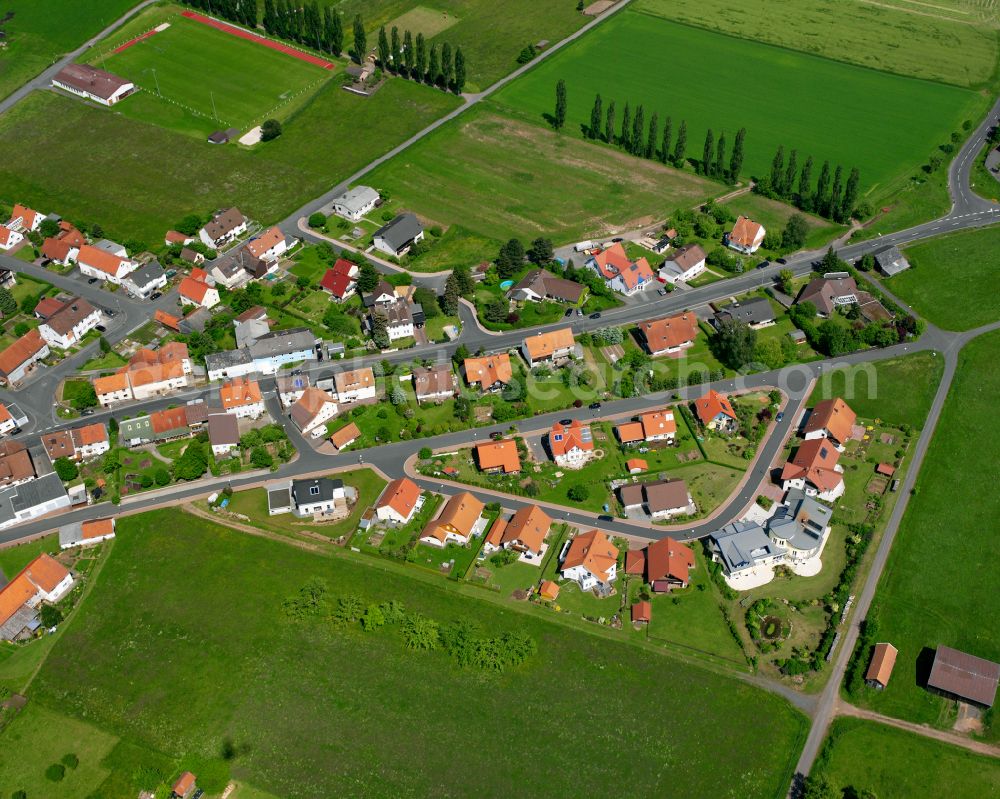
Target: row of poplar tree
410,57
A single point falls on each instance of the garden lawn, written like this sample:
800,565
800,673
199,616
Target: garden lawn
949,512
56,134
193,77
457,246
896,764
253,504
950,279
885,125
39,737
110,360
899,390
267,684
926,40
503,178
37,33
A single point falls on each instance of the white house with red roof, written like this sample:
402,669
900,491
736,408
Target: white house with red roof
399,502
572,445
620,273
746,235
590,559
24,219
340,281
96,262
9,238
195,291
269,246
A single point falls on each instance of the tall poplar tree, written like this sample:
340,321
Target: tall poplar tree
458,83
596,117
736,162
360,40
706,155
680,149
609,124
778,169
654,136
668,133
559,117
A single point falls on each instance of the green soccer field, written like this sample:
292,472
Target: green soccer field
885,125
192,70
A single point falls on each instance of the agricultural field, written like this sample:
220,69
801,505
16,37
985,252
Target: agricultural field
504,178
490,34
951,278
38,33
278,708
906,765
57,134
949,512
950,42
193,78
899,390
886,125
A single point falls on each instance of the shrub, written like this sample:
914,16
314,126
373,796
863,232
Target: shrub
270,130
161,476
50,615
578,493
425,453
317,220
56,772
70,760
66,469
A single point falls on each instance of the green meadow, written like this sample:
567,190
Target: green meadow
936,588
928,40
182,650
885,125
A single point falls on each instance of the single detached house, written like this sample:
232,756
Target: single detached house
540,284
312,411
399,235
107,266
355,385
814,468
18,358
70,323
197,292
756,312
663,499
269,246
224,227
685,263
399,502
356,203
670,334
715,412
242,398
435,383
24,219
620,273
554,346
524,533
490,373
318,496
742,547
591,560
746,235
146,279
831,419
651,426
460,520
9,239
340,281
572,445
86,534
44,579
498,457
664,565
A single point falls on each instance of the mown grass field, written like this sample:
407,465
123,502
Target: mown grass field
38,33
895,764
898,390
180,665
951,279
920,40
490,34
885,125
123,158
502,178
186,68
951,513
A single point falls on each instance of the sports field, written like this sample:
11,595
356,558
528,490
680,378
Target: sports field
956,45
896,764
884,124
125,157
938,587
183,646
206,78
38,32
502,178
952,278
491,34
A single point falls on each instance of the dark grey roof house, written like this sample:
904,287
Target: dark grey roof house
396,237
756,312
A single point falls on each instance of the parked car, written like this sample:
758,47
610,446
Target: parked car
155,295
92,281
605,518
595,406
579,311
780,417
87,412
101,329
497,436
595,315
763,264
566,422
569,312
782,260
662,292
618,240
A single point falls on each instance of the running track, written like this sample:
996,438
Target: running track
253,37
136,40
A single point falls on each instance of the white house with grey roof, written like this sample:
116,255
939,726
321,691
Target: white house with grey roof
317,496
756,312
264,354
800,525
745,551
396,237
32,499
355,203
145,280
